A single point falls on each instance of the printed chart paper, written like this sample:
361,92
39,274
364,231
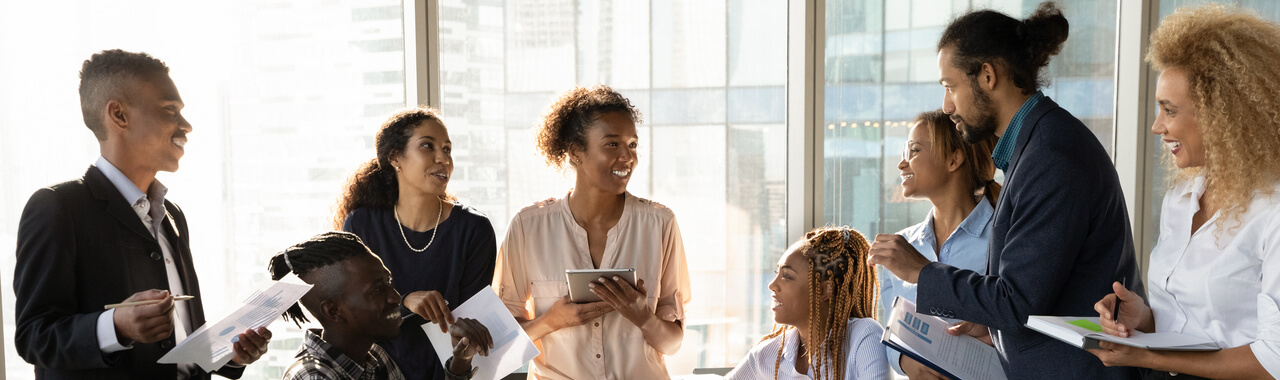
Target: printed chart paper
925,339
210,345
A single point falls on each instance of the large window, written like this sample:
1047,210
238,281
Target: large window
881,70
708,77
284,98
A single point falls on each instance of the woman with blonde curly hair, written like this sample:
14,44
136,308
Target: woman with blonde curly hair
1215,272
596,225
824,298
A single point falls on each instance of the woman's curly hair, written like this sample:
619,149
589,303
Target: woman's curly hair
1232,61
374,184
564,124
838,256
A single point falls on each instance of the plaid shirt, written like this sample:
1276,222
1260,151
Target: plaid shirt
318,360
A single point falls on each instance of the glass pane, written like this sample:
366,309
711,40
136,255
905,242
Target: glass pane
708,78
1159,159
284,100
881,70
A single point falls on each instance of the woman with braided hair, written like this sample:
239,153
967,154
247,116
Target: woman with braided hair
824,299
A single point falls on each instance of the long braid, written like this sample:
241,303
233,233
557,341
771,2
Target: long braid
320,251
835,256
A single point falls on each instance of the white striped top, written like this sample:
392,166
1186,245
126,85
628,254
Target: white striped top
866,357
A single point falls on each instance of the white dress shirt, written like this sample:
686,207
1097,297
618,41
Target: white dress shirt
864,355
150,208
1221,285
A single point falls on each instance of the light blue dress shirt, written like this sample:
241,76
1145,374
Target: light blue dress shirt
965,249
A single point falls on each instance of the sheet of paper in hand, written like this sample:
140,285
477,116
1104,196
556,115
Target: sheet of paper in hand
210,345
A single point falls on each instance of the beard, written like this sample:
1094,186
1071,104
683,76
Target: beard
983,125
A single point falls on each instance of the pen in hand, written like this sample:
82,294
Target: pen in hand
1115,311
147,302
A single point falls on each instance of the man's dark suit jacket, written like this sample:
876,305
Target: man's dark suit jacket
82,246
1060,237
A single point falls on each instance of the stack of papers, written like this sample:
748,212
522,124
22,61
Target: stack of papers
1085,332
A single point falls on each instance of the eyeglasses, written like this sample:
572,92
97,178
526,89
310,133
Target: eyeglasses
908,153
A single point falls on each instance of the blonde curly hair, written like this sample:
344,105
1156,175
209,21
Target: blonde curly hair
1232,61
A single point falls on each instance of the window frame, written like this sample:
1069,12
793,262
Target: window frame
806,28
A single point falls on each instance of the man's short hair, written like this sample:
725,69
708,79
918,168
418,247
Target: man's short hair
110,74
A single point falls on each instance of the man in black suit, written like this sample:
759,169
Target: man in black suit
111,237
1060,233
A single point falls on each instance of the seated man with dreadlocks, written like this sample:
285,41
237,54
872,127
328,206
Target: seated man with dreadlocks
354,301
824,299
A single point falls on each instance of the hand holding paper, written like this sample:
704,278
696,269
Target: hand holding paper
251,345
213,345
511,347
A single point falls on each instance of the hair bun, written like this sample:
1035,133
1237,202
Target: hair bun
1044,32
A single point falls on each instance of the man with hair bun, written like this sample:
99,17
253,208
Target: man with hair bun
1060,233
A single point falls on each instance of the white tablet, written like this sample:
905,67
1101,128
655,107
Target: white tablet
578,280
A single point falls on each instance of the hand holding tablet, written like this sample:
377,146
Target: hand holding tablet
579,279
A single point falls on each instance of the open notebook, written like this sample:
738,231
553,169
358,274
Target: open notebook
1085,332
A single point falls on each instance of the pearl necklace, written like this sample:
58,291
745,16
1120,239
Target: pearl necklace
401,227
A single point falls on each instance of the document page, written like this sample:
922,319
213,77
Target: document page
511,346
925,337
210,345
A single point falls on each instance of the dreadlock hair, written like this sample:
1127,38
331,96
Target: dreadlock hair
836,255
318,252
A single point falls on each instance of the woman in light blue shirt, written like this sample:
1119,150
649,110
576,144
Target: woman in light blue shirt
956,175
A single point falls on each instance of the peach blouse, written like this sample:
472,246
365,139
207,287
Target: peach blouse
543,241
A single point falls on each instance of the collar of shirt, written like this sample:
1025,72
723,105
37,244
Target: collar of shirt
976,222
922,235
1192,189
332,356
149,204
1004,147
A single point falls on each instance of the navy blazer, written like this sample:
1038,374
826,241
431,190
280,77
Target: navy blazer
81,246
1060,237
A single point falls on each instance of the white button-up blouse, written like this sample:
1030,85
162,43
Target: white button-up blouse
1221,285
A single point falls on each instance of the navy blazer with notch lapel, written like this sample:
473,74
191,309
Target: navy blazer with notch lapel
82,246
1060,237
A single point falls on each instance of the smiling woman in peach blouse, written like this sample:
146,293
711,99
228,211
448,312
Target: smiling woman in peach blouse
1213,273
598,224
